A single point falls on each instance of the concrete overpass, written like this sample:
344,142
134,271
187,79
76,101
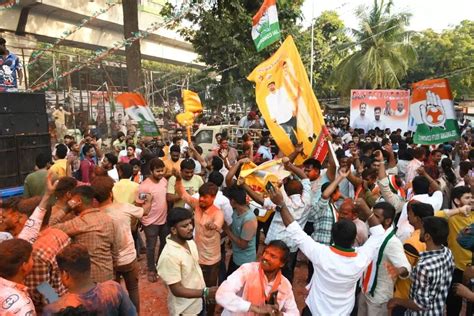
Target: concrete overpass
45,20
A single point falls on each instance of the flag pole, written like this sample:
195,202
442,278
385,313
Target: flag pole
312,46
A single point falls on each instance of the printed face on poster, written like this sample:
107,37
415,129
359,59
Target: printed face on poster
379,108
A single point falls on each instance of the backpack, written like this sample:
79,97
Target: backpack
466,237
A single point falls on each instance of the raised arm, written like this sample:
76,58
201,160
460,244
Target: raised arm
181,192
257,197
379,157
197,156
33,225
343,173
434,185
229,178
298,150
392,162
331,171
293,169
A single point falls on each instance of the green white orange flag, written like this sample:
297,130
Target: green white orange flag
265,25
135,106
432,108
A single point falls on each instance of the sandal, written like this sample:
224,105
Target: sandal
152,277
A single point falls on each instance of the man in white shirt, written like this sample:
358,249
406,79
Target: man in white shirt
347,137
264,149
248,290
362,121
16,262
109,163
281,110
377,282
338,268
298,196
400,109
419,156
378,122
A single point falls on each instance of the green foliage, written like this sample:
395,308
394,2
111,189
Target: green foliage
383,52
220,34
447,54
329,34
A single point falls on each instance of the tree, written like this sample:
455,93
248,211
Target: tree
220,34
446,54
132,52
383,52
329,34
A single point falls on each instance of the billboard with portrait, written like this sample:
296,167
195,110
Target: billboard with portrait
380,108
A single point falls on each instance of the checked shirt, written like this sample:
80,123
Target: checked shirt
431,279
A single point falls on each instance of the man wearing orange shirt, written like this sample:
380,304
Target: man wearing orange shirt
208,221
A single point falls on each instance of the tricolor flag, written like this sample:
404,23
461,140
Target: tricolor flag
432,108
265,26
135,106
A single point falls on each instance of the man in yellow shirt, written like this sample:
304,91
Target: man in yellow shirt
461,199
126,190
59,166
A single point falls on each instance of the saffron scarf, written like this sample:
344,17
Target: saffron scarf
255,287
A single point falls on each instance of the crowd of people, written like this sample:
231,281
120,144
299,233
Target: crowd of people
385,225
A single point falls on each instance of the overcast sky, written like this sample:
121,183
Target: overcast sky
435,14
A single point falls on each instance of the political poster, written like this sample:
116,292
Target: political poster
379,108
287,102
136,108
432,108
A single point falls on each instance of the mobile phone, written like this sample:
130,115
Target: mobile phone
273,298
269,186
142,196
48,292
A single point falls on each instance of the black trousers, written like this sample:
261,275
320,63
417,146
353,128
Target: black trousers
309,229
306,312
290,129
454,302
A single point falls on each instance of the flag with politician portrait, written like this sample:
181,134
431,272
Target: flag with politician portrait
287,102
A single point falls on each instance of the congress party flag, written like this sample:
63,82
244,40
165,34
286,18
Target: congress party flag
135,106
265,25
192,102
432,108
288,104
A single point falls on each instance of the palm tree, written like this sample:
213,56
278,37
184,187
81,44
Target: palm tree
383,51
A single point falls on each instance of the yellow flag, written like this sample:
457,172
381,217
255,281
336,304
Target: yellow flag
287,102
192,102
185,119
257,177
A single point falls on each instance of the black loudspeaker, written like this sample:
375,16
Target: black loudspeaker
22,102
18,154
23,113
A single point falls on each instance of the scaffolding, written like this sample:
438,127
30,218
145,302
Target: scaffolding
87,93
